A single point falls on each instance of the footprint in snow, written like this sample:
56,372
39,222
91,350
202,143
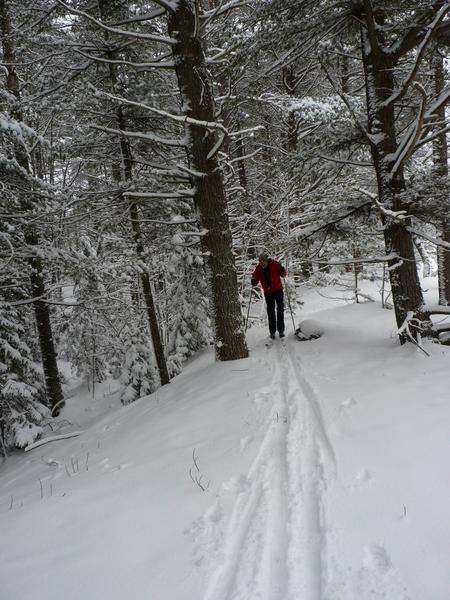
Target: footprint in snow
376,558
237,484
378,579
363,479
207,535
348,402
261,396
245,441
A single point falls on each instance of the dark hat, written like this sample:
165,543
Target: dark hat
263,256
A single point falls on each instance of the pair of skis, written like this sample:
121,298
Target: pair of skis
270,342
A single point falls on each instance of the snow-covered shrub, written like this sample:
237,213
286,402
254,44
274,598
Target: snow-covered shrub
22,396
190,326
139,373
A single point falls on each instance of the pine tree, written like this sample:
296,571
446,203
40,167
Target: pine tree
190,327
29,200
139,373
22,391
202,146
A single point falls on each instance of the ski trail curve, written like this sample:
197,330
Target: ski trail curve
274,546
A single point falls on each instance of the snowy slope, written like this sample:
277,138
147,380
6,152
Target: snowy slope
325,465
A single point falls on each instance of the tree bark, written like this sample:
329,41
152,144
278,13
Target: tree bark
379,84
440,157
37,287
196,91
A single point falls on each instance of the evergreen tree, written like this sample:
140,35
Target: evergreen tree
139,373
22,392
190,327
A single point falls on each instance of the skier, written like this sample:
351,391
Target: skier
268,273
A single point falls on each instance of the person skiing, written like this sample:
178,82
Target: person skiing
268,273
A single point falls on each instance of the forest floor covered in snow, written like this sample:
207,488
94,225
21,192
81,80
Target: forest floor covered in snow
312,470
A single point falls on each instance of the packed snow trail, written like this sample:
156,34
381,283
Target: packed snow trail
275,545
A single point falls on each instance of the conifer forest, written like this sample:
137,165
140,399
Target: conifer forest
164,166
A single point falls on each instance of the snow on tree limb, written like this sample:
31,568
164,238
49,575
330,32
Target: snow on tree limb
223,8
413,32
128,63
409,143
162,195
143,36
435,309
429,238
163,113
54,438
139,135
420,54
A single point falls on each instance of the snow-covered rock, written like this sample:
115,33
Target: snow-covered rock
309,329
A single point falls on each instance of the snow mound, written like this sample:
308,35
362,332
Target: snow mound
309,329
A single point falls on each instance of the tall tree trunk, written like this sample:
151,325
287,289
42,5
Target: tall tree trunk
440,157
37,285
196,91
126,173
379,83
148,298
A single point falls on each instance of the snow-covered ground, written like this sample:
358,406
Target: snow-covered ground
313,470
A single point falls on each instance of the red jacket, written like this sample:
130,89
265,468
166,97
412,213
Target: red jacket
276,271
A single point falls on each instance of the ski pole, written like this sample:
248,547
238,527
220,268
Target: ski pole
248,310
290,308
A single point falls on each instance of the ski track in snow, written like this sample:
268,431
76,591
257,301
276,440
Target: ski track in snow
275,546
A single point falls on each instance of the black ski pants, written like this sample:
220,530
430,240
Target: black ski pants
275,323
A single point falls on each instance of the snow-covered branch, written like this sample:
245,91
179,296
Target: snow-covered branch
184,119
144,65
11,247
134,34
419,56
354,163
408,145
395,215
54,438
161,195
435,309
141,136
157,12
223,8
436,241
234,134
344,99
245,157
